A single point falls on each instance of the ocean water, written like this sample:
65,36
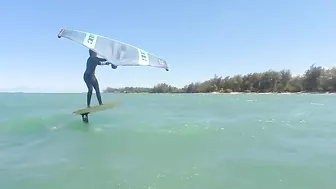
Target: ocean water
168,141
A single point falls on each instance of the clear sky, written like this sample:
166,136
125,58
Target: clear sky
197,38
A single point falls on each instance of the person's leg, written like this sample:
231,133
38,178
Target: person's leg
88,82
96,87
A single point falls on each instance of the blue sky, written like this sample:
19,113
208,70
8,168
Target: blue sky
197,38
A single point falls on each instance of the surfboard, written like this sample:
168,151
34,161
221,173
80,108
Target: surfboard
96,108
85,111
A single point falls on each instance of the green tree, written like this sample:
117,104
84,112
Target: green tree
311,81
314,79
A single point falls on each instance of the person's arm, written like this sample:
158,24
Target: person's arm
108,63
104,63
112,65
100,61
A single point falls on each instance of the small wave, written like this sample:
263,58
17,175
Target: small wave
317,104
34,124
251,100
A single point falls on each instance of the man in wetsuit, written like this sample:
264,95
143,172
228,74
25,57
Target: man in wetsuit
90,78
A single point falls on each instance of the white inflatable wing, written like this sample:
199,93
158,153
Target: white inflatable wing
119,53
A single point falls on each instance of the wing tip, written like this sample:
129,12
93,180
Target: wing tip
60,33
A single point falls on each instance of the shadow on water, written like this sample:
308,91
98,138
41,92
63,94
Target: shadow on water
103,126
41,124
52,123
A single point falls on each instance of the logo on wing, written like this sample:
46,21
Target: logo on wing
90,39
143,56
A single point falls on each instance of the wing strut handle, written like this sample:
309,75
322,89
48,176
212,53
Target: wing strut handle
60,33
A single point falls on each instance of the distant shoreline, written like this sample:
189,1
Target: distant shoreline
232,93
315,80
211,93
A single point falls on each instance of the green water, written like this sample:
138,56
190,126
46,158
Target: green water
168,142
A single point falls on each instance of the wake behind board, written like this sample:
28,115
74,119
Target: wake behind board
84,112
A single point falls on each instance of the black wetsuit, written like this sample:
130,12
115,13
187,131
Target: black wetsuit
90,78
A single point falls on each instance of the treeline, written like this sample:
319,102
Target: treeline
315,79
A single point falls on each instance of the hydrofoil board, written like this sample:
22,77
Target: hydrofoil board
85,111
